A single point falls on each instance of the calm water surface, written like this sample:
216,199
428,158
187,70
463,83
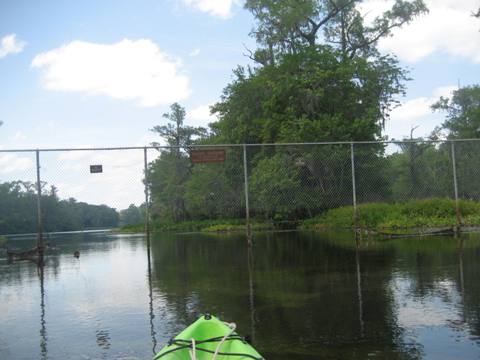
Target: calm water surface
299,296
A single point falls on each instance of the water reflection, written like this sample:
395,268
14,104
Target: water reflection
311,297
299,296
150,298
251,269
43,327
359,290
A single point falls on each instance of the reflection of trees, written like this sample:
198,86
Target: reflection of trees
306,294
471,296
433,266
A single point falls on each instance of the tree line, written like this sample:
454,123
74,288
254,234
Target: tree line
18,211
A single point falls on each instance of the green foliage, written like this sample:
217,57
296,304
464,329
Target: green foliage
421,170
196,225
463,122
132,215
131,229
3,241
275,185
463,112
427,213
18,201
213,190
313,95
256,226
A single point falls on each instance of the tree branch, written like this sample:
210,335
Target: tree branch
375,38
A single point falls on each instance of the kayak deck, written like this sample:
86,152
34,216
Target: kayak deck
208,338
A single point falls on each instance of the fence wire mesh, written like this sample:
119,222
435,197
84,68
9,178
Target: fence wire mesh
289,183
402,171
182,190
284,184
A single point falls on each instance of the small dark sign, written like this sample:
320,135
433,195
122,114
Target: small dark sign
95,169
207,156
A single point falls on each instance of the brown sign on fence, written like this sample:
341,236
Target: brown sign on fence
207,156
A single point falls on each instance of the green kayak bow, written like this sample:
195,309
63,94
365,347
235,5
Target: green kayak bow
208,338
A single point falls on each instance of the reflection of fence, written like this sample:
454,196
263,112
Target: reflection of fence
274,182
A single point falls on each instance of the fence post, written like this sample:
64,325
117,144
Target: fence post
455,186
247,204
354,188
39,207
147,205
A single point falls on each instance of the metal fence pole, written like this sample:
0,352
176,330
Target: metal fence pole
247,204
455,186
354,187
147,205
39,206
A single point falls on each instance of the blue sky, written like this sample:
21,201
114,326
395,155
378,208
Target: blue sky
102,73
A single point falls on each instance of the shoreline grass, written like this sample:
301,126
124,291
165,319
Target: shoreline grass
410,217
216,226
433,213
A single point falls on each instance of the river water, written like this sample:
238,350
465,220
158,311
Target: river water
298,295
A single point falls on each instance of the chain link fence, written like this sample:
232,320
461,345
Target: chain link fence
281,184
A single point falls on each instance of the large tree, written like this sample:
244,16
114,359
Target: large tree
318,77
310,96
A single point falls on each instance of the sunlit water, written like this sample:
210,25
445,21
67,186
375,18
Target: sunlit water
299,296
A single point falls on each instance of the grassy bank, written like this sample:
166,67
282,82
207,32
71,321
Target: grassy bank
395,218
398,217
219,225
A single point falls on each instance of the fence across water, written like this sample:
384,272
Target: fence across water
278,183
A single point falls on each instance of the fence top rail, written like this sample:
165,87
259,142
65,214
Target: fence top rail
238,145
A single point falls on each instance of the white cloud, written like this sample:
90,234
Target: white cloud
127,70
9,44
448,28
437,308
76,155
10,163
218,8
417,113
19,136
445,91
201,116
412,109
149,138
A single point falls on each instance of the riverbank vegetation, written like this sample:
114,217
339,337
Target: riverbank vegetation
397,217
214,225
